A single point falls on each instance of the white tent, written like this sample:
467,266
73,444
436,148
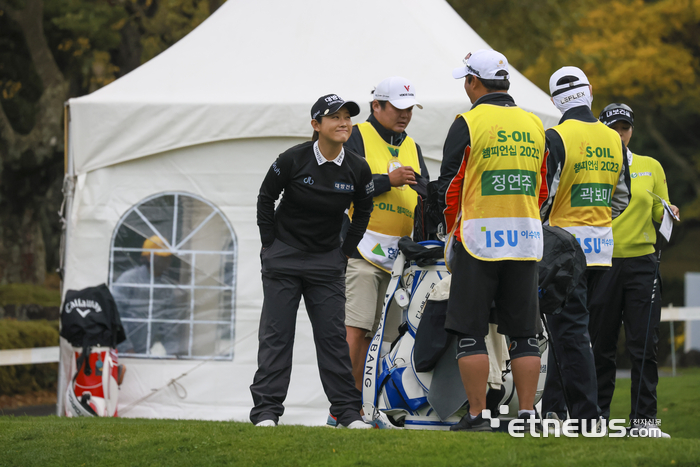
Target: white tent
194,131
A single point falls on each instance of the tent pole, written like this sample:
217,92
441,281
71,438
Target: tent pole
68,191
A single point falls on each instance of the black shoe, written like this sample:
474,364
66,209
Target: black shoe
529,419
476,424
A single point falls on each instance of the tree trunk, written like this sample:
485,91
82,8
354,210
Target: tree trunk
28,162
129,53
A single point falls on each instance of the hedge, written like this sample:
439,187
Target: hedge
28,294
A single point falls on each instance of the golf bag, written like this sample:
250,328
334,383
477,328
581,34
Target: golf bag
415,380
90,322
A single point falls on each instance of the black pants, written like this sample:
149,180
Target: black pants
572,343
625,295
477,284
289,273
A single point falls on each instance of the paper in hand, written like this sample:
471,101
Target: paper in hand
666,224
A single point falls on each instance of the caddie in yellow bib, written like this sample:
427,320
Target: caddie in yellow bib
399,176
392,217
589,186
589,176
500,211
490,185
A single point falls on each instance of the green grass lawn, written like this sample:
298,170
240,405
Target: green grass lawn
678,403
53,441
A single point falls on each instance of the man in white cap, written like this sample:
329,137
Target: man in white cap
400,179
589,186
491,187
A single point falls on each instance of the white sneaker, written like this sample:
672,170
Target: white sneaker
267,422
652,431
357,425
553,416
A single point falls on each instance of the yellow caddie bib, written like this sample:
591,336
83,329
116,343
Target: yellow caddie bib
392,217
500,194
582,204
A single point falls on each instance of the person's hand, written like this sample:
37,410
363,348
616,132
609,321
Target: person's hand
402,176
676,211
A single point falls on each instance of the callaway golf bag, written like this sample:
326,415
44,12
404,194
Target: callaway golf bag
90,322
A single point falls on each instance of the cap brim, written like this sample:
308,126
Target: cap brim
405,103
352,107
460,72
620,118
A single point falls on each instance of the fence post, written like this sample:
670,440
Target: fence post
673,350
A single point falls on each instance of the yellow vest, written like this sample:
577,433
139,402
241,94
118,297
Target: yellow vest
392,217
582,203
500,218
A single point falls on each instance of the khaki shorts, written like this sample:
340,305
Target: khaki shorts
365,287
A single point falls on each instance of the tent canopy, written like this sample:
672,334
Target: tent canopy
255,67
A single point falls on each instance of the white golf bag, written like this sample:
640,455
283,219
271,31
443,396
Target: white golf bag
431,400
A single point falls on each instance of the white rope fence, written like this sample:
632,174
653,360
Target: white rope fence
29,356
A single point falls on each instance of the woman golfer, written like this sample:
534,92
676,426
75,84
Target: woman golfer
302,255
629,291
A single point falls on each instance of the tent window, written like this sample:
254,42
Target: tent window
172,273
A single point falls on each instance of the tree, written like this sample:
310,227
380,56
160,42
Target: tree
521,29
51,50
28,157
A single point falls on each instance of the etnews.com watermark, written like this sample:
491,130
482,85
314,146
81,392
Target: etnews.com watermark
573,428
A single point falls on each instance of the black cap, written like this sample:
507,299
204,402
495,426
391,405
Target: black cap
330,104
616,112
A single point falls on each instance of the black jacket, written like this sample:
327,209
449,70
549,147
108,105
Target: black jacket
310,214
